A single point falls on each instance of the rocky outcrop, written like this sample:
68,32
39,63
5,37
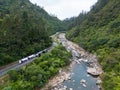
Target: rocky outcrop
94,67
93,71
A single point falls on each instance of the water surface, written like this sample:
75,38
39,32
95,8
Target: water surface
78,73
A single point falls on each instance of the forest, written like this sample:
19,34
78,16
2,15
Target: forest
98,32
24,29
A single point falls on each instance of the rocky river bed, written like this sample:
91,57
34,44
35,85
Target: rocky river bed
79,75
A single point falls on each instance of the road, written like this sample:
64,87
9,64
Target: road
17,65
13,67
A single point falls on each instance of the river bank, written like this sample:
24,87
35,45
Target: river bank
55,83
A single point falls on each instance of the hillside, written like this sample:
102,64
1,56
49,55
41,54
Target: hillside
98,31
24,29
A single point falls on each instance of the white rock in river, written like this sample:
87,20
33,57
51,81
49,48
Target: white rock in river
73,80
98,82
83,81
65,87
55,88
70,89
92,71
88,75
85,60
69,49
84,85
80,60
75,53
60,89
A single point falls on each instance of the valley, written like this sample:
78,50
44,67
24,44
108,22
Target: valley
38,51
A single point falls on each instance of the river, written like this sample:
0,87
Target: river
77,77
80,79
79,73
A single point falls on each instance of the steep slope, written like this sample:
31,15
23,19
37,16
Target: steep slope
99,33
24,29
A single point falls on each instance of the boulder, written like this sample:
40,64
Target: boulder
83,81
70,89
65,87
98,82
84,85
92,71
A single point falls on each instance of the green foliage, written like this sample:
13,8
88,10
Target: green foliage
24,29
36,74
99,33
74,21
13,75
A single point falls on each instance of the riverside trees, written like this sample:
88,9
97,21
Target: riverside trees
36,74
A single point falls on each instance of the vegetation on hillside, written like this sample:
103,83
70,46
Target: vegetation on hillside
37,73
24,29
99,32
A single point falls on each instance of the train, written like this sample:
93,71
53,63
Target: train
38,54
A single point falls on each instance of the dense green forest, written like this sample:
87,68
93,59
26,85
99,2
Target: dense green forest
98,31
24,29
37,73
